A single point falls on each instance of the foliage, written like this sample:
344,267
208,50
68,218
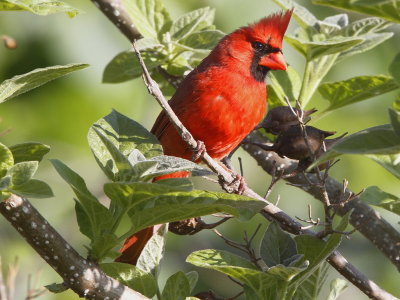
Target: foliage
131,157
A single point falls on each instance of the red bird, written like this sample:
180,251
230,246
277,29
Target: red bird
221,100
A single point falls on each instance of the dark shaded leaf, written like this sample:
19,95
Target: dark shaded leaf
277,246
176,288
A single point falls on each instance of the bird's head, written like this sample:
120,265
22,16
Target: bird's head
258,47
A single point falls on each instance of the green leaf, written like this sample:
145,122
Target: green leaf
159,165
146,44
342,93
311,287
29,151
125,66
39,7
118,167
150,258
22,83
375,196
182,183
193,21
368,29
32,188
206,39
56,287
285,83
149,204
5,182
94,219
176,288
389,10
390,162
148,16
300,13
395,120
6,160
371,141
316,251
394,68
371,40
277,246
236,267
119,136
315,49
338,285
192,277
132,277
22,172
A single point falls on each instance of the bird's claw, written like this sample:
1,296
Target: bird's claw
237,185
198,151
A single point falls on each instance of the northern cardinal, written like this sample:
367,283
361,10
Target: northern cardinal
221,100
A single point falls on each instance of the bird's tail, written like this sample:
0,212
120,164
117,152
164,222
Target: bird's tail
134,244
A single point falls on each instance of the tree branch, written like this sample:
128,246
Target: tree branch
270,211
364,218
82,276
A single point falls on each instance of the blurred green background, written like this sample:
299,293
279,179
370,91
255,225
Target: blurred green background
60,113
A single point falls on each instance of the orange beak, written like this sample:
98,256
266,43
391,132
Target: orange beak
274,61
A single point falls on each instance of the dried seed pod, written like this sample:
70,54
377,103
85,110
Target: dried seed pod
281,118
329,143
9,42
209,295
185,227
291,143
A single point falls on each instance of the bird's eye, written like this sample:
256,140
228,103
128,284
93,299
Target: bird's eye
258,46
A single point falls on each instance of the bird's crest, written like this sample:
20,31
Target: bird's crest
273,26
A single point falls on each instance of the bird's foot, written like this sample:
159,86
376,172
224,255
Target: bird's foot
237,185
199,150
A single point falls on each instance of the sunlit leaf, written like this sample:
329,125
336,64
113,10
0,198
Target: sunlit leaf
314,49
152,254
132,277
21,172
389,10
148,16
356,89
120,135
22,83
29,151
40,7
149,204
191,22
300,13
6,160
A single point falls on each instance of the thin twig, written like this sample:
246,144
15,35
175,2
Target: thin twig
387,241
